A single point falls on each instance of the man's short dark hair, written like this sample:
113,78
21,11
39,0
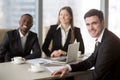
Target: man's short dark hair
29,16
94,12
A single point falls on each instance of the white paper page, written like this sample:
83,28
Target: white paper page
53,68
39,61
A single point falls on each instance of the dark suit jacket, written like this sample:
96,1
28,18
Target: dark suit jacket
54,35
11,46
105,59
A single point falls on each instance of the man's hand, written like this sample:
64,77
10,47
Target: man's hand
61,71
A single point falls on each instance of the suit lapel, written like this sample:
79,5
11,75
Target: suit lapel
28,43
96,50
105,34
99,44
59,37
97,47
103,37
18,40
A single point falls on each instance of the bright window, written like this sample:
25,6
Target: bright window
114,17
79,7
11,11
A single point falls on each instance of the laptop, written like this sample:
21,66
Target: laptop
71,54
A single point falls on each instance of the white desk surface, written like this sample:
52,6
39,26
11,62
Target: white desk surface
9,71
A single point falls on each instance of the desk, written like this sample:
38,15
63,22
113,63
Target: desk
9,71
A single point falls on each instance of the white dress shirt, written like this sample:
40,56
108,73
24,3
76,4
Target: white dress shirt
64,34
23,39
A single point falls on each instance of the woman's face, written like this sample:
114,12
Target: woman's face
64,17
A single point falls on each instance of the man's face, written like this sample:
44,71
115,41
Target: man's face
26,23
94,26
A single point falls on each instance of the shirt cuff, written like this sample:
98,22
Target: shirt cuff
69,67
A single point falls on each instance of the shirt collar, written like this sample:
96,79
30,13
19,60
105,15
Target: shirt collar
21,35
101,35
59,26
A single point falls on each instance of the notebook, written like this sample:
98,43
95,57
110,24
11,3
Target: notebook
71,54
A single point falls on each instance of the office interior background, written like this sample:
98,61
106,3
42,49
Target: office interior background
45,13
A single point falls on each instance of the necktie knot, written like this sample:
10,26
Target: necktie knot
96,42
96,39
96,45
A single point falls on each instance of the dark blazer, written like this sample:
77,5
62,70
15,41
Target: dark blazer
105,59
11,46
54,35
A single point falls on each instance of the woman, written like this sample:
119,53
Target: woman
62,34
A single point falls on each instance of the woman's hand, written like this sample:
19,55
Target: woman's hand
58,53
55,53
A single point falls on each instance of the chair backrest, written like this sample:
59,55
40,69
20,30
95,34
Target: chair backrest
45,31
2,33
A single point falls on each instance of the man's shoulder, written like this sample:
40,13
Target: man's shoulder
110,39
31,32
110,35
12,31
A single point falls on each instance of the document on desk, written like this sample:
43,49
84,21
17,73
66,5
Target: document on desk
39,61
53,68
45,61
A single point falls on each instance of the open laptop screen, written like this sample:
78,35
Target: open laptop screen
71,54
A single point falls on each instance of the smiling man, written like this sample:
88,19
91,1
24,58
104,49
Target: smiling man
106,56
21,41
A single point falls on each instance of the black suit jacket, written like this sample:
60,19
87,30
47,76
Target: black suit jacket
105,59
54,35
11,46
